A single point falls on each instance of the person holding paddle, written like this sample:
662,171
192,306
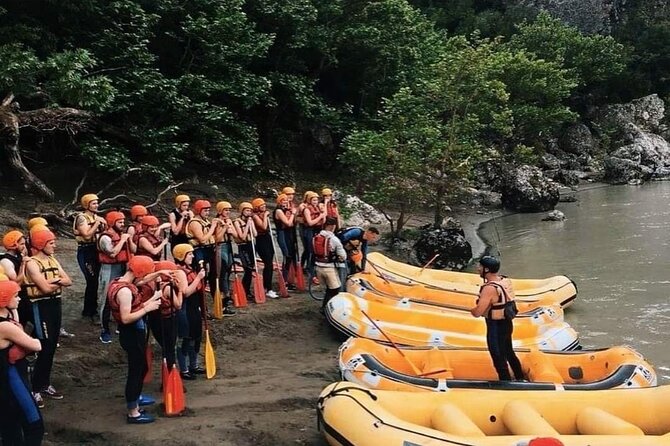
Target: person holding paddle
178,219
284,219
129,307
246,233
200,232
87,225
261,218
137,213
149,242
113,249
189,321
223,236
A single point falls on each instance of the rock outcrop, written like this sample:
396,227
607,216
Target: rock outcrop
526,189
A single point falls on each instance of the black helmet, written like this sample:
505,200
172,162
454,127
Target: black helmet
491,263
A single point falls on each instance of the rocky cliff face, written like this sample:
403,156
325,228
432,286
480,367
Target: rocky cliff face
597,16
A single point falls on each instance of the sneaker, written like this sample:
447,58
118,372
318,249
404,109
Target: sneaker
188,376
271,294
143,418
66,334
52,393
38,399
197,370
229,311
105,337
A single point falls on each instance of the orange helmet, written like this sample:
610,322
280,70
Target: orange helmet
257,203
149,221
87,199
200,205
138,211
326,191
11,239
165,264
37,228
288,190
179,199
39,239
309,195
222,206
37,221
114,216
281,197
179,252
140,266
244,205
8,289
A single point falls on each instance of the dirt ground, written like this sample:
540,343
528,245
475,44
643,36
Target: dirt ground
272,362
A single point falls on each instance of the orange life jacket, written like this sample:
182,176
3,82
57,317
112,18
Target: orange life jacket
114,306
121,257
153,240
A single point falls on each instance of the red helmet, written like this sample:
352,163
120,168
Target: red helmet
150,220
39,239
138,211
165,264
8,289
200,205
113,216
140,266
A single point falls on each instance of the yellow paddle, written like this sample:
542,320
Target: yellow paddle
210,358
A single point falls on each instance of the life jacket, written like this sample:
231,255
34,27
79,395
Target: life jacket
103,257
505,294
15,352
321,249
15,259
167,308
153,240
299,216
205,227
190,278
113,289
314,213
242,224
50,270
332,210
221,235
90,220
278,223
138,231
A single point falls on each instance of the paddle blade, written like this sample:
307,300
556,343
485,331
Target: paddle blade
171,388
210,359
217,311
300,279
178,386
259,290
283,290
291,273
149,358
239,295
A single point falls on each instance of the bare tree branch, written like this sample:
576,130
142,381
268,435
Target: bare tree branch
76,195
123,176
163,192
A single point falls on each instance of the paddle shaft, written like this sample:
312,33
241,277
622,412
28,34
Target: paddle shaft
414,368
429,262
283,291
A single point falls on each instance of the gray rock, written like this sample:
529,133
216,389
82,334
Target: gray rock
647,155
360,213
646,113
550,161
554,215
567,177
589,16
526,189
577,139
454,250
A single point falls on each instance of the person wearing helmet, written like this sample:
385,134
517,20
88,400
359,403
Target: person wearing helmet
330,206
149,242
284,219
87,225
246,233
264,248
44,281
178,219
315,218
129,307
224,236
200,232
13,262
21,422
496,290
137,213
189,320
113,255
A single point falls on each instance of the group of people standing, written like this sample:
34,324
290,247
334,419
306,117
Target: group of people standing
152,277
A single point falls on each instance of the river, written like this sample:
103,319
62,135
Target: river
614,245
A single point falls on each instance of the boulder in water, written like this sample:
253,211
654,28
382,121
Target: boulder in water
554,215
449,242
526,189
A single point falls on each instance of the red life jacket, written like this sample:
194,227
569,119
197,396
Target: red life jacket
314,213
190,277
121,257
114,287
331,210
167,308
153,240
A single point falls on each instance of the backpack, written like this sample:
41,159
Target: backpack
508,305
321,248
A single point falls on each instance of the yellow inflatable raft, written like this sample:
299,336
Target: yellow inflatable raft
382,367
351,415
373,287
559,288
411,325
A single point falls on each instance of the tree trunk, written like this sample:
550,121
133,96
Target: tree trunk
9,135
439,196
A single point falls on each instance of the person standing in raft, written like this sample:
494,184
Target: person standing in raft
20,419
128,310
44,282
113,249
87,225
490,304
